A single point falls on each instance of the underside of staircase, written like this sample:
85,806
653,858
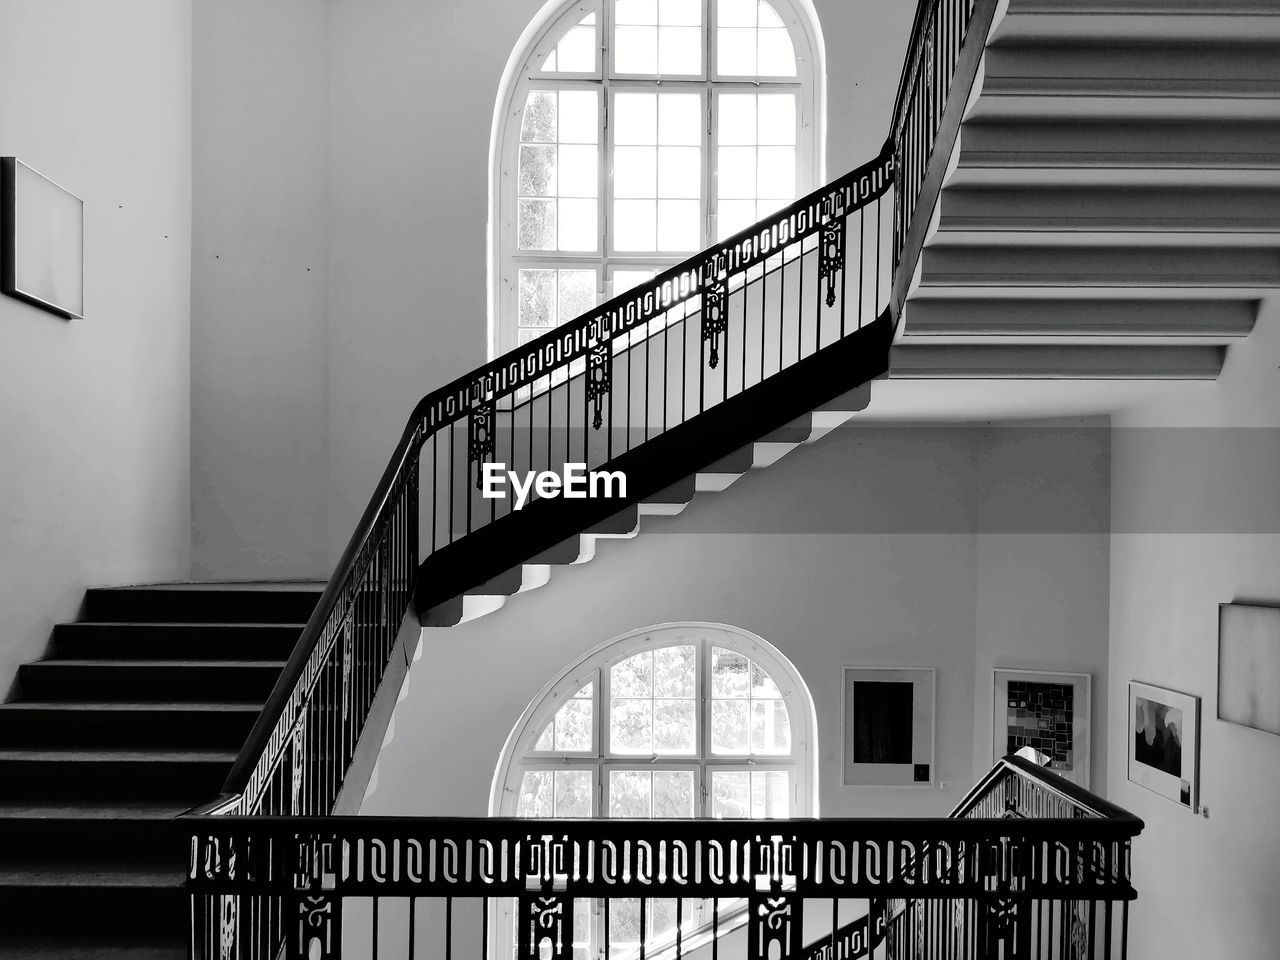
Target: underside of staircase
1111,211
1112,206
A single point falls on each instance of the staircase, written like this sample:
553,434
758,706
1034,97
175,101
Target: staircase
134,717
1112,205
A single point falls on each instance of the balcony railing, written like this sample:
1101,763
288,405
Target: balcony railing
1028,866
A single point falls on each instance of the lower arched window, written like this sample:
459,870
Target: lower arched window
669,722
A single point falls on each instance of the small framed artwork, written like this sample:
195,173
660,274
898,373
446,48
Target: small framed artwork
1249,666
41,241
888,726
1164,743
1046,710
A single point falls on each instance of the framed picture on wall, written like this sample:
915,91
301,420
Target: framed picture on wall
888,726
41,241
1164,743
1249,665
1046,710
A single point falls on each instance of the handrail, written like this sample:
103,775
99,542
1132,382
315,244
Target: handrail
1087,803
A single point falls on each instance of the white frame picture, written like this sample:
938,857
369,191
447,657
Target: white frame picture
924,702
1081,713
1182,787
1249,666
41,241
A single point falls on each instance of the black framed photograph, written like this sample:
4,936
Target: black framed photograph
41,241
1164,742
888,726
1249,665
1046,710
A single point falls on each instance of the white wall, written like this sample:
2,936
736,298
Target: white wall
95,424
863,549
1196,520
259,451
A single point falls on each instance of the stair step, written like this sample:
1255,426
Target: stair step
197,603
1138,21
939,316
92,913
155,775
113,724
157,680
231,641
1053,361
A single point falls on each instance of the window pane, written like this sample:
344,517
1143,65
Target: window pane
770,727
636,11
770,794
535,798
737,13
728,674
635,226
736,52
777,123
680,120
679,172
672,794
579,117
578,225
674,727
546,739
630,794
573,793
673,667
734,215
537,305
537,171
577,293
576,51
762,685
730,795
678,225
539,117
673,13
632,677
776,173
736,173
737,119
631,726
636,118
624,280
730,721
775,56
636,50
767,16
537,224
573,726
635,172
578,177
679,50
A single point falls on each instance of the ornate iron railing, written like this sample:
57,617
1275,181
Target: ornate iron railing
994,879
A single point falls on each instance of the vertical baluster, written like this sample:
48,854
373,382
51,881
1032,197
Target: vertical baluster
844,269
679,901
448,928
413,923
715,928
644,926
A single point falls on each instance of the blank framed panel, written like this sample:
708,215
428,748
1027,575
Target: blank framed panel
41,241
1249,666
888,729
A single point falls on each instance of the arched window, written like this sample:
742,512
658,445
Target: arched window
674,721
633,133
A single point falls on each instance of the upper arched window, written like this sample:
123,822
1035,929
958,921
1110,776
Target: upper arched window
636,133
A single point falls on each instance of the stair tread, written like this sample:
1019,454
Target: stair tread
86,810
143,662
158,706
74,873
78,755
184,625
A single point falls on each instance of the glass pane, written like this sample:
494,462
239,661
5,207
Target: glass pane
775,56
768,17
635,172
573,726
537,224
770,727
576,51
672,794
730,726
728,673
674,727
635,225
679,50
630,794
535,798
573,793
673,667
776,173
577,293
736,51
539,117
736,173
537,171
770,791
737,119
730,795
636,11
737,13
680,120
678,225
777,124
578,225
673,13
762,685
546,739
537,305
578,176
624,925
624,280
679,172
635,118
636,50
632,677
734,215
631,726
579,117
